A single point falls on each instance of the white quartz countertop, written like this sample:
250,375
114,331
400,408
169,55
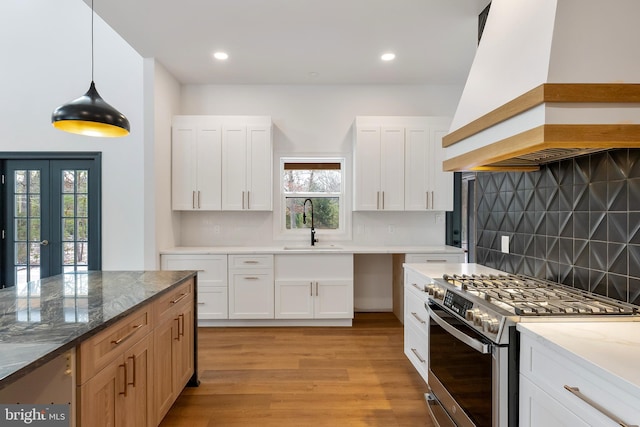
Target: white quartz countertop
299,247
436,270
609,349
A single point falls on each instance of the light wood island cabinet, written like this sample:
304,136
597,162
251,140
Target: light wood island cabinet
131,373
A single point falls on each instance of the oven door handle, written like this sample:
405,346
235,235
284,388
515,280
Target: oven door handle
475,344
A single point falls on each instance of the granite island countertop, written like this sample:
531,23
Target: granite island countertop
46,317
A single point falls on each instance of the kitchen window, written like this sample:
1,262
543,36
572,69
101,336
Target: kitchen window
322,181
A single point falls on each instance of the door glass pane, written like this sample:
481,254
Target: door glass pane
26,220
75,220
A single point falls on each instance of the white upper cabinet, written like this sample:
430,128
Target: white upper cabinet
221,162
247,166
427,187
379,166
398,164
195,163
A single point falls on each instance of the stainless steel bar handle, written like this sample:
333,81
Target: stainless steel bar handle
198,199
248,200
383,200
317,286
378,200
418,318
193,199
426,195
417,287
576,392
436,260
251,278
310,288
414,351
243,200
433,201
250,262
479,346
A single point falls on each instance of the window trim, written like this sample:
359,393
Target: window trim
323,235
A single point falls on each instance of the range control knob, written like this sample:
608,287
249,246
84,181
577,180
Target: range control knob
479,317
471,314
438,293
490,325
431,288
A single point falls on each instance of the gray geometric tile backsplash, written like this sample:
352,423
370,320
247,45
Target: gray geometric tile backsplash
575,222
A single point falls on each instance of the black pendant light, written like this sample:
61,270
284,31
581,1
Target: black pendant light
90,114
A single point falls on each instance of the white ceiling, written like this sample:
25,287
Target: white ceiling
285,41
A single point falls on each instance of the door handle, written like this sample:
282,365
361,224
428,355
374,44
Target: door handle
44,243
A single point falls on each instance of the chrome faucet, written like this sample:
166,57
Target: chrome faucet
304,220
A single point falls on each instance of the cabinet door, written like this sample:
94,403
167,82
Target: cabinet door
183,348
294,299
208,164
234,168
442,182
367,169
418,169
259,168
392,168
138,402
164,361
183,166
102,397
213,302
251,294
333,299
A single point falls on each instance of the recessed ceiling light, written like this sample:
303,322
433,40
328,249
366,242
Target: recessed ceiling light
388,56
221,55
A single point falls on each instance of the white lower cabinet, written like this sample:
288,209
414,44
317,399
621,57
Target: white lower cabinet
311,286
212,281
558,391
416,324
251,287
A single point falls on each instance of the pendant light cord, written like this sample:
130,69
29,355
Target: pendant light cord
92,40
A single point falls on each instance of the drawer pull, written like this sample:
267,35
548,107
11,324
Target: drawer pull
251,278
418,355
418,318
180,298
200,303
181,325
417,287
576,392
250,262
436,260
124,338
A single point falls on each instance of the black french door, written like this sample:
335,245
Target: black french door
51,218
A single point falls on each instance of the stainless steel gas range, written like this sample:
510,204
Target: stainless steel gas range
474,345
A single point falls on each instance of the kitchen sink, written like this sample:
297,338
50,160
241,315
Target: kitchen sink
313,248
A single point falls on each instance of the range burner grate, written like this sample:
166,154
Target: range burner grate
528,296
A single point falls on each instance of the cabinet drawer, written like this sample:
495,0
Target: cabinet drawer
415,281
212,269
433,258
415,311
250,261
99,350
552,371
416,348
173,300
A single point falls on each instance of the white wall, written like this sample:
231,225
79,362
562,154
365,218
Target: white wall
314,120
165,231
46,62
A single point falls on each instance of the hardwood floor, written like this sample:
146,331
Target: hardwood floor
302,376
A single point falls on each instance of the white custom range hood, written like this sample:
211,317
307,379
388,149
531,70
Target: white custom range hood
551,79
